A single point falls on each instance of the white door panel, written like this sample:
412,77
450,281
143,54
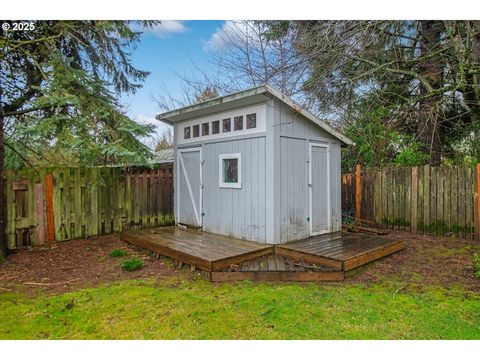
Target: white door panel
319,189
189,187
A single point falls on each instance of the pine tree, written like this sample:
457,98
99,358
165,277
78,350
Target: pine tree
59,82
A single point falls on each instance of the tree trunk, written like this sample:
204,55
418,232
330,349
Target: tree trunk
3,202
471,91
431,68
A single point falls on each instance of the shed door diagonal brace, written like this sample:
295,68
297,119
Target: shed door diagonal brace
190,192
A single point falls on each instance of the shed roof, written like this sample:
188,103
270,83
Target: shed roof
244,98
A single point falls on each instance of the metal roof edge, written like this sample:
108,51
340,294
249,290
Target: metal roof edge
211,102
321,123
260,89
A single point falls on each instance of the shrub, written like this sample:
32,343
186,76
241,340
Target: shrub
116,253
410,155
476,264
132,264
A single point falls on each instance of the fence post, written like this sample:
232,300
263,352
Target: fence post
49,208
414,209
358,191
426,199
40,217
377,194
477,203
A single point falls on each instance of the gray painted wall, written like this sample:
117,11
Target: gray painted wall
273,205
235,212
293,195
295,133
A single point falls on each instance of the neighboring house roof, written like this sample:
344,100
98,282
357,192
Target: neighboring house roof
164,156
244,98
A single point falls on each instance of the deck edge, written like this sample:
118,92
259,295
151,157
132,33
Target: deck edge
308,257
166,251
226,262
372,255
280,276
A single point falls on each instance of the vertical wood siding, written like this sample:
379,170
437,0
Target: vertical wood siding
273,203
85,202
241,212
293,189
296,133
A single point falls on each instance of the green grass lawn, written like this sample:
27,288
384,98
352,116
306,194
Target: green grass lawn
180,308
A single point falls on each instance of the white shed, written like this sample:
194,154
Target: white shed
256,166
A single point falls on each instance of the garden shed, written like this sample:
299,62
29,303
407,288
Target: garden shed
256,166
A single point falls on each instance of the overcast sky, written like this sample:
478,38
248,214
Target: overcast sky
172,47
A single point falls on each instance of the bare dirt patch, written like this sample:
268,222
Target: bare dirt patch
69,265
77,263
426,260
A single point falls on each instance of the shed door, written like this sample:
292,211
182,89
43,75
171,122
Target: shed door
319,189
189,175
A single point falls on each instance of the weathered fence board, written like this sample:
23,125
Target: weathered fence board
54,204
428,199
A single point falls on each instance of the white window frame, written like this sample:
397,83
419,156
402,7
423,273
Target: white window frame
261,115
222,184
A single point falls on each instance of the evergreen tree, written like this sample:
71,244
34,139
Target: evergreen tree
59,84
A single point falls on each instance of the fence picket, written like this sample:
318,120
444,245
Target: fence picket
427,199
469,203
46,205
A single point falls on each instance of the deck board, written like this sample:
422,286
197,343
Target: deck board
271,263
278,276
204,250
280,263
218,254
346,252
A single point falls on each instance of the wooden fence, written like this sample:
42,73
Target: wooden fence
47,205
428,199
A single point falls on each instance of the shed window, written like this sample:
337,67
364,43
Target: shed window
186,132
230,171
238,123
196,130
215,127
251,121
205,129
226,125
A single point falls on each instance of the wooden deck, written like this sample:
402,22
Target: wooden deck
341,251
320,258
206,251
277,268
